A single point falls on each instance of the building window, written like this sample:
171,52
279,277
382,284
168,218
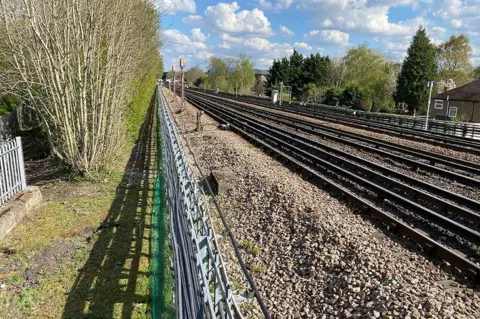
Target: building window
439,104
452,112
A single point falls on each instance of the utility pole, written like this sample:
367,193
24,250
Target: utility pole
174,87
281,93
430,86
183,62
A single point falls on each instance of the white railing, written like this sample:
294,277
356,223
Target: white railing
12,169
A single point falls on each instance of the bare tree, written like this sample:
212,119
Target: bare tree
75,61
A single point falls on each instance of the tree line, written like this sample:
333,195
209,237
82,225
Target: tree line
232,74
367,80
82,66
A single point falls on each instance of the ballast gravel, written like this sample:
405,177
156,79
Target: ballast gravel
309,253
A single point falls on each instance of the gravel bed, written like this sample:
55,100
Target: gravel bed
428,177
310,254
398,140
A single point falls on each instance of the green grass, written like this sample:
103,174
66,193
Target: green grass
108,276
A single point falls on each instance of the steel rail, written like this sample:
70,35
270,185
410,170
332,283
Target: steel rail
316,129
453,142
429,156
426,155
430,246
441,192
314,148
436,135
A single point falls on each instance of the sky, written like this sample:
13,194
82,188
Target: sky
271,29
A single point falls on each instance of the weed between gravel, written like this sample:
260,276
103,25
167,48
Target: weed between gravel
85,252
251,248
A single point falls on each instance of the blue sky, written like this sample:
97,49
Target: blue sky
268,29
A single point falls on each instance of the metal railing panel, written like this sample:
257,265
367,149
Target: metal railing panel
202,289
12,169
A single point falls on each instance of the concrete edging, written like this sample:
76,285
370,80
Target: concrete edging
14,211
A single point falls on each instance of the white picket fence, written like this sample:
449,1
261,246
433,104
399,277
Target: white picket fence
12,169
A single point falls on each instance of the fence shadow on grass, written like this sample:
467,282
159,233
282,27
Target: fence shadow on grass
114,282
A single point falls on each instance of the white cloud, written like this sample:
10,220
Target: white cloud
263,63
396,2
197,35
174,6
193,19
456,23
397,45
224,18
265,4
475,50
286,31
359,16
224,45
260,49
327,37
204,55
327,23
177,44
461,14
279,4
176,40
302,46
437,31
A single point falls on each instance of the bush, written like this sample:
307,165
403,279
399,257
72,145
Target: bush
100,50
8,103
333,95
387,106
357,97
138,106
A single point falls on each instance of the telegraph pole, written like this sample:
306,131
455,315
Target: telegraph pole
430,86
183,62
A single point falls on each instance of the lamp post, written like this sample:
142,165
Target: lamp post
183,62
174,87
430,86
281,93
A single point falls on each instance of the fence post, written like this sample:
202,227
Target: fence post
21,162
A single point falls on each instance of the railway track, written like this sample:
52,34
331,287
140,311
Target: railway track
461,171
419,212
454,142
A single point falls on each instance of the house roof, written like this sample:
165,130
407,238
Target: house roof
466,92
261,72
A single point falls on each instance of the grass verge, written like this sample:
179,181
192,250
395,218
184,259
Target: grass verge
86,252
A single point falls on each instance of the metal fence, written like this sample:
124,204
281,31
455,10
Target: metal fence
460,129
202,288
12,170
